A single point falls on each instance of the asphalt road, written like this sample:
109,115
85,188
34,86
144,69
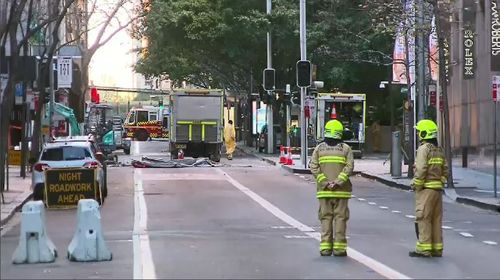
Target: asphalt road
247,219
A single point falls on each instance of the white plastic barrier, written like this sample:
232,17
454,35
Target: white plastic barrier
88,243
34,244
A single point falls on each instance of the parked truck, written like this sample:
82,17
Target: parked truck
350,109
196,122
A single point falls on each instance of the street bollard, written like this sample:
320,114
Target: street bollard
88,243
396,154
34,244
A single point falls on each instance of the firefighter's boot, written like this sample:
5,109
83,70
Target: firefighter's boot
416,254
325,253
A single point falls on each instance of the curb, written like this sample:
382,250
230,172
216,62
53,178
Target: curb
478,204
383,181
459,199
16,208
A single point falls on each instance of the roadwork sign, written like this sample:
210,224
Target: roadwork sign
65,187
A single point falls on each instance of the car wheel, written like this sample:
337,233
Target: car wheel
126,151
38,192
142,135
261,149
100,198
105,181
214,157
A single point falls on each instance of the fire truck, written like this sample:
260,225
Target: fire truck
350,109
147,122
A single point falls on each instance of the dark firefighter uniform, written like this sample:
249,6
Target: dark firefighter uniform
331,164
431,172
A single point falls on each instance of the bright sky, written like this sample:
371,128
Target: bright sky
112,63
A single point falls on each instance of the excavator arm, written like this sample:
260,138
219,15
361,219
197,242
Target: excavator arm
69,115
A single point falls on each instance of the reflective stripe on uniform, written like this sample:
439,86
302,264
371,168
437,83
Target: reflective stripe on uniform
418,182
339,246
444,179
343,177
424,246
437,160
333,194
325,246
433,185
332,159
320,177
437,246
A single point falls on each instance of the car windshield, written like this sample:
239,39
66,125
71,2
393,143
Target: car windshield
66,153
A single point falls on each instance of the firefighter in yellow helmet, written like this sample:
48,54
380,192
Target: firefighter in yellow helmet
331,164
431,172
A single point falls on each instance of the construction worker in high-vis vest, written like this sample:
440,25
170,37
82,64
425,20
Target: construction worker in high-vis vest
431,172
331,164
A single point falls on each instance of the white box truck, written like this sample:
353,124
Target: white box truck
196,123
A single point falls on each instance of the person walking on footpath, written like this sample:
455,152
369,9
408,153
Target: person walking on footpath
230,139
431,172
331,164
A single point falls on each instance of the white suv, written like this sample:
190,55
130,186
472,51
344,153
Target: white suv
67,154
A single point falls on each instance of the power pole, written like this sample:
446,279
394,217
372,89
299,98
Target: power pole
269,108
420,104
303,56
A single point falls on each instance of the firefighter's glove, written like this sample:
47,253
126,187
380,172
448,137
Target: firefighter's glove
331,186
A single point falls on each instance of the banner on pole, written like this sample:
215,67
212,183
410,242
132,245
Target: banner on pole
64,72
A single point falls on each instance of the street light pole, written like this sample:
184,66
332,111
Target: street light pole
303,56
270,128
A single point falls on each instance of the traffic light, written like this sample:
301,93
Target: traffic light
268,79
94,96
303,73
296,97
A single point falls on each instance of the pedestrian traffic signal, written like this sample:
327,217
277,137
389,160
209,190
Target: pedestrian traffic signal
296,98
303,73
268,79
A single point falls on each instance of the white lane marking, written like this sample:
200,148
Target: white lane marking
297,236
375,265
396,211
361,199
490,242
144,267
136,147
372,203
485,191
466,234
383,207
446,227
410,216
302,176
181,177
282,227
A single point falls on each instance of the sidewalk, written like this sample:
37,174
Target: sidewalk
472,187
19,192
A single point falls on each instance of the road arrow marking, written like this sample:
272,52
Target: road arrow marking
375,265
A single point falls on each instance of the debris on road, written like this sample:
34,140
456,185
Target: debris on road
147,162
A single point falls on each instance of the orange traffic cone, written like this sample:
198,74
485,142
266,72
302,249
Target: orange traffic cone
333,114
282,154
289,160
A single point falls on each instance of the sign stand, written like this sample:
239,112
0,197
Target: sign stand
495,92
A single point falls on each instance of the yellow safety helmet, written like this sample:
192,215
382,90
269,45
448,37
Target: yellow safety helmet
334,129
427,129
